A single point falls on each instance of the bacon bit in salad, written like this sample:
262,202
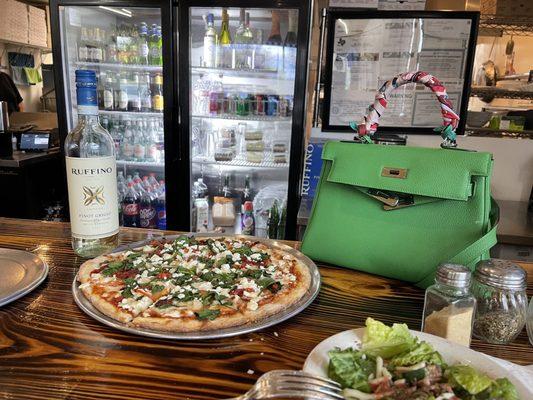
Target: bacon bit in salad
380,385
164,275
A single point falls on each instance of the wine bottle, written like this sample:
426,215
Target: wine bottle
275,36
225,41
289,45
91,175
273,47
210,43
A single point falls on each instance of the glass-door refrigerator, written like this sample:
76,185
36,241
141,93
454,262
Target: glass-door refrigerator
242,75
124,42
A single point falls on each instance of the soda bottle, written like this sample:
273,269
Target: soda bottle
153,181
247,219
130,208
147,211
129,180
146,184
161,210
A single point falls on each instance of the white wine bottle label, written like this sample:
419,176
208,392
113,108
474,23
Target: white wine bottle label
92,194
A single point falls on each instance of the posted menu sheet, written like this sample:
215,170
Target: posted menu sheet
368,52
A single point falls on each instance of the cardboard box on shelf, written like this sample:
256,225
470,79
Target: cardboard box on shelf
15,23
38,32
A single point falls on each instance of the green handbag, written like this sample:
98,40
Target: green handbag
400,211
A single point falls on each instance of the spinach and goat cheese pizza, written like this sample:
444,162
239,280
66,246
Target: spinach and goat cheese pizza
194,284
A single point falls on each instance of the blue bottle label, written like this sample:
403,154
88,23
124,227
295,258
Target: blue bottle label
87,98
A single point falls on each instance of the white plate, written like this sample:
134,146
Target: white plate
317,361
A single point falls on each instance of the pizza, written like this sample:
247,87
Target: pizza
194,284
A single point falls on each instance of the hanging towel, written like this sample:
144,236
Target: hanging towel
32,75
21,59
19,76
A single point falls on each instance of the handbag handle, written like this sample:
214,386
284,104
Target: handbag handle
450,119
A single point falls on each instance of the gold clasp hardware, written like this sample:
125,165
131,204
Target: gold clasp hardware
389,172
386,198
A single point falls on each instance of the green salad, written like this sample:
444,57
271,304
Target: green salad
392,364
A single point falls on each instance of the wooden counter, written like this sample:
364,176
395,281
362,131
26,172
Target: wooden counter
49,349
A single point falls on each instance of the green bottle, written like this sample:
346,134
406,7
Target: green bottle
225,41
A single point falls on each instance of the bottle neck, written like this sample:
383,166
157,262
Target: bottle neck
88,118
275,24
292,22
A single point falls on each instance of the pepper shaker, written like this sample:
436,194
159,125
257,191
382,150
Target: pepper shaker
500,290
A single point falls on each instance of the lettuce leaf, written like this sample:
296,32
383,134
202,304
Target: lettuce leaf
386,342
422,352
468,378
351,368
502,389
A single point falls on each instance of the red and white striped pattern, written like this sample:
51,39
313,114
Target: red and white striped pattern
371,119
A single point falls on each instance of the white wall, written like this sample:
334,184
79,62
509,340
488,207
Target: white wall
513,162
30,94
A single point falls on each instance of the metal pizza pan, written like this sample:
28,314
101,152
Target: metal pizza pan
87,307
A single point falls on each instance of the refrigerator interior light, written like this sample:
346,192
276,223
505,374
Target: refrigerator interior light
123,11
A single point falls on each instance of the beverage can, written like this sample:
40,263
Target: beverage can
272,108
259,107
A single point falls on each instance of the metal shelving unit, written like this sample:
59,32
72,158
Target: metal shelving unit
486,132
121,67
140,164
131,113
507,25
500,93
240,161
242,73
244,117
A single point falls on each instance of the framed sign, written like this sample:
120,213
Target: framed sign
367,48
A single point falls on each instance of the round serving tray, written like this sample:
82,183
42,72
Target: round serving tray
287,313
21,273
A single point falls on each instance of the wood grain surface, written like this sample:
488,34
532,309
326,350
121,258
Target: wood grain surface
49,349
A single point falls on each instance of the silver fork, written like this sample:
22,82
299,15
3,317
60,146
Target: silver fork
292,384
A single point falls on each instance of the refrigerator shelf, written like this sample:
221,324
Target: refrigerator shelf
243,73
240,161
131,67
244,117
131,113
140,164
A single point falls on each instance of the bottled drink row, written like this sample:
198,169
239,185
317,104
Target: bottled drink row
123,44
141,201
262,215
212,98
247,49
134,92
140,140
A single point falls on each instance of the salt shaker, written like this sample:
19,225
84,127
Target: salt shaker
529,321
449,306
500,290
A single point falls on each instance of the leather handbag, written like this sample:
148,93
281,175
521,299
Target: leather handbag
400,211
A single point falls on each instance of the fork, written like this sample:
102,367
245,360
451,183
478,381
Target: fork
292,384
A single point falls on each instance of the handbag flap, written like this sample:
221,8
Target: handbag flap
440,173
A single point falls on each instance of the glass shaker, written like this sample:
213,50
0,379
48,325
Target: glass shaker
500,290
449,306
529,322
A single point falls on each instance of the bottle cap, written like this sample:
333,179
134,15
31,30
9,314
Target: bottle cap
453,275
502,274
248,206
85,76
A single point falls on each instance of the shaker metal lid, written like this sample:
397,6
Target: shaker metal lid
502,274
453,275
